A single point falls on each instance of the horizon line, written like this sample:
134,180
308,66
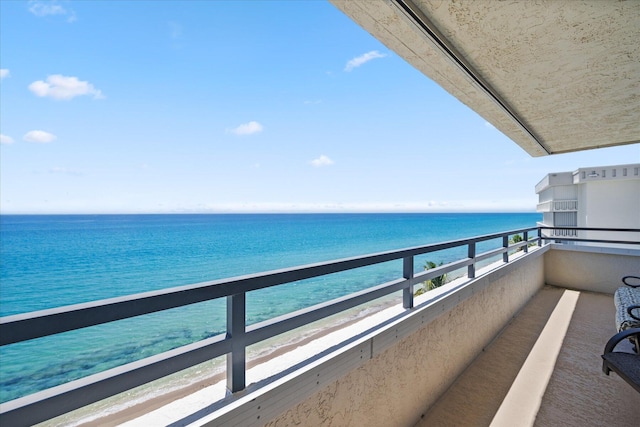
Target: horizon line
264,212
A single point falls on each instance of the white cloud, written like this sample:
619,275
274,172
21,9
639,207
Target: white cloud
489,125
39,136
51,8
4,72
4,139
322,161
247,128
58,86
363,59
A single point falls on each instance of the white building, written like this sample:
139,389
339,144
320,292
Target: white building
594,197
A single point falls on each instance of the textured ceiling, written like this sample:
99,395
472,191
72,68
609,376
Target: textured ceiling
554,76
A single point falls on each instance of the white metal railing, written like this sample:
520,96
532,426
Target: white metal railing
565,205
562,232
557,206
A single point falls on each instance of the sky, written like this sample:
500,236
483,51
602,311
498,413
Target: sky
221,107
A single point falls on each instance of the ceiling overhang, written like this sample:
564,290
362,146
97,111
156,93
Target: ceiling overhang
554,76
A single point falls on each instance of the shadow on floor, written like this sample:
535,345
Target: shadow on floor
574,391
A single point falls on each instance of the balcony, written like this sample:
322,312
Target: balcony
558,206
509,343
557,232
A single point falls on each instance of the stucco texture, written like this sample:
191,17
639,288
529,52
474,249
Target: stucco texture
399,383
589,271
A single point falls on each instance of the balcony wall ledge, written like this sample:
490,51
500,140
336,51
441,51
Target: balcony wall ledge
390,375
589,268
610,250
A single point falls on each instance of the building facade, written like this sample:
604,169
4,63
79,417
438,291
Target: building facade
593,197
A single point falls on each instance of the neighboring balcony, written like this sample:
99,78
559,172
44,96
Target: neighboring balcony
548,230
557,206
515,342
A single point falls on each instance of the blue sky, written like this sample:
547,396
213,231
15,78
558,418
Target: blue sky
140,106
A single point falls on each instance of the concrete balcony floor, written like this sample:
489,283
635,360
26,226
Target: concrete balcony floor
544,369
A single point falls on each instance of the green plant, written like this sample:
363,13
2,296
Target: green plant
517,239
433,283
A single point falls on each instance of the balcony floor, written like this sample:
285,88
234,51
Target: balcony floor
544,369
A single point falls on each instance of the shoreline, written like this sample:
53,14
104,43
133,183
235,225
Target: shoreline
275,349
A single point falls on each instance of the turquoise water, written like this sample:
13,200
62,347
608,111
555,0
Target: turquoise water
51,261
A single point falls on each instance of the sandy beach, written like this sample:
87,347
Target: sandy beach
170,399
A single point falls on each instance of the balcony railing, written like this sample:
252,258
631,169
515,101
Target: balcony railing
64,398
566,234
557,206
558,231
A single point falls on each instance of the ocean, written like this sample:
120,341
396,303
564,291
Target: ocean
49,261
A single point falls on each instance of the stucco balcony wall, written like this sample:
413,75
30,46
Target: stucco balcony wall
401,380
391,376
589,268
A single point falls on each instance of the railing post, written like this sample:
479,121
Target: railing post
539,237
505,244
236,321
471,268
407,273
526,239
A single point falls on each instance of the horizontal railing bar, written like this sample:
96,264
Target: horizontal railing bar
26,326
75,394
491,253
442,269
276,326
624,230
519,244
501,250
569,239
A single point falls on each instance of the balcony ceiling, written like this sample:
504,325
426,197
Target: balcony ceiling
554,76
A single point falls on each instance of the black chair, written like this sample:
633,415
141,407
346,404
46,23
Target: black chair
626,365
